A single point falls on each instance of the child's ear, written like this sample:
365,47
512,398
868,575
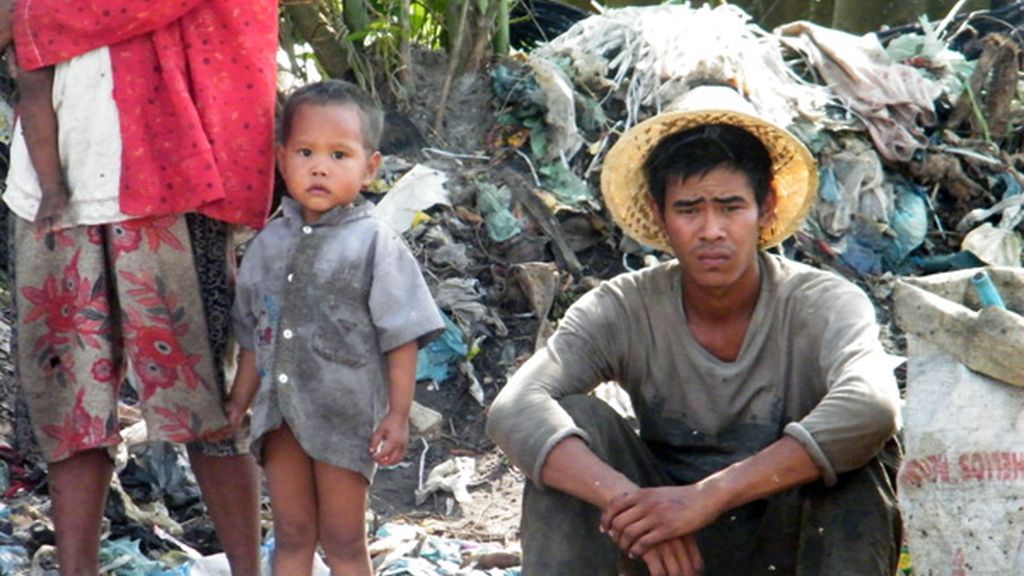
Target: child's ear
372,165
279,155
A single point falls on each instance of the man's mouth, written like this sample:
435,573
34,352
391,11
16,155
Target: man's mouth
713,257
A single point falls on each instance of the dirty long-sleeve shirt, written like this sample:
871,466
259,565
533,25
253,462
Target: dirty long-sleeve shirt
811,367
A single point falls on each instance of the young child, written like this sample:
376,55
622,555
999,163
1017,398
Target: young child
331,308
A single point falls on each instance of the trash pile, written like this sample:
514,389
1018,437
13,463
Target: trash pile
919,144
920,151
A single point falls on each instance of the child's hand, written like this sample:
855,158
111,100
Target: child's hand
389,441
51,206
235,413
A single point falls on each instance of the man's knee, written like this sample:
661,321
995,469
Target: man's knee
590,412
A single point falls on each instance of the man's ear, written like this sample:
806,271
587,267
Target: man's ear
652,205
767,215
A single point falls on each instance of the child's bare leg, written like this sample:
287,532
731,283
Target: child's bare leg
293,498
78,492
341,499
230,487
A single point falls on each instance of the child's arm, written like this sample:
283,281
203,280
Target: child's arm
39,123
244,388
389,441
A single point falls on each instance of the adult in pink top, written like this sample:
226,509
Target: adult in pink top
194,86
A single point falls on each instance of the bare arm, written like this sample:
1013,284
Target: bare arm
645,517
6,23
392,435
39,123
572,468
247,380
243,389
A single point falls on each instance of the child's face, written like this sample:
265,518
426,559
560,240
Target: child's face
324,163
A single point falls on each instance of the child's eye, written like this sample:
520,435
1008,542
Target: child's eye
337,155
304,152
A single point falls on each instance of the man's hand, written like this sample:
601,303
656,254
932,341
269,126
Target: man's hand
675,557
6,23
387,447
641,519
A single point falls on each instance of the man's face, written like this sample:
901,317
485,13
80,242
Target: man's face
713,225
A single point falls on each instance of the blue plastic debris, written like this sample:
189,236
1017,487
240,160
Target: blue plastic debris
438,359
122,557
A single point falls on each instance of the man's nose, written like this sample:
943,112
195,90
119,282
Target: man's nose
711,226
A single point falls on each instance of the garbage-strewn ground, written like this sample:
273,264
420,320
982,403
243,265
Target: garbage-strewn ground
919,143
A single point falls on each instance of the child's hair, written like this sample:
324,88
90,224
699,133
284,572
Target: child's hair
338,93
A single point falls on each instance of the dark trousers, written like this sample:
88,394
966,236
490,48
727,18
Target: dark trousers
850,529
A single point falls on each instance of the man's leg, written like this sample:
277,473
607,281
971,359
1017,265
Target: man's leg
560,533
230,487
78,494
854,527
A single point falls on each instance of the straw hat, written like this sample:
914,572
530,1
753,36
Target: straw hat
624,185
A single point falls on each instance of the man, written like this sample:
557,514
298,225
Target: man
763,395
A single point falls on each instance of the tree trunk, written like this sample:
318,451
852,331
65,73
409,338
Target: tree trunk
356,16
331,54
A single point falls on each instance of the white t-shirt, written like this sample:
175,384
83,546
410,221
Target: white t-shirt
89,141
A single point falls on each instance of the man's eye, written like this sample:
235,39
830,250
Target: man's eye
337,155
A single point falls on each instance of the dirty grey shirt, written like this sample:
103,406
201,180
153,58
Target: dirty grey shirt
321,304
810,366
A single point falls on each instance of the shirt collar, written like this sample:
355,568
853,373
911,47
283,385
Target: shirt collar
360,208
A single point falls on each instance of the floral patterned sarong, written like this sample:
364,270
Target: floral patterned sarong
95,301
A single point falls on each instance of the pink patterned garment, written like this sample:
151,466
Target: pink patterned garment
194,82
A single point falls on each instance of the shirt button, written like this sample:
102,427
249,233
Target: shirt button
282,378
287,334
307,229
291,277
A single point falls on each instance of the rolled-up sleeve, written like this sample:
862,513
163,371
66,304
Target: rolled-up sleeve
859,412
525,419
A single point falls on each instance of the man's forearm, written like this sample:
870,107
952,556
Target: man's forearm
783,465
572,468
